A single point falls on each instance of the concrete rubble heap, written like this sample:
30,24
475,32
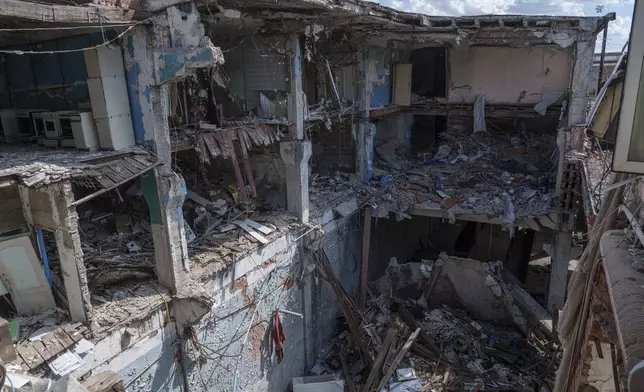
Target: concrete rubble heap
476,339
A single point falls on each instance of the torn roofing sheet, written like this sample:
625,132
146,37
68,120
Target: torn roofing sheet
358,13
35,166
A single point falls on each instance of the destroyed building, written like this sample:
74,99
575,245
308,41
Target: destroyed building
188,181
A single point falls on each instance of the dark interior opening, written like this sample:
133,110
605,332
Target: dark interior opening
425,131
428,78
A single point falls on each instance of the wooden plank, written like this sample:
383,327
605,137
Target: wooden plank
258,226
106,381
366,239
394,365
75,331
43,350
29,355
63,338
402,85
347,375
244,144
101,178
377,365
142,159
52,344
39,12
559,270
134,163
198,199
411,321
124,170
252,232
111,174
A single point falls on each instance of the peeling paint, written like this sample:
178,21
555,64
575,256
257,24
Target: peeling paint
378,76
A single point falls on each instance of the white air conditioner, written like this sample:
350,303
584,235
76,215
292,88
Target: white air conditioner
85,132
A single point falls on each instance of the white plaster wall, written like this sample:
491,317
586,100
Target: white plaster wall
503,74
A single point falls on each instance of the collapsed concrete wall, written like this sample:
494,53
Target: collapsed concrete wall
151,356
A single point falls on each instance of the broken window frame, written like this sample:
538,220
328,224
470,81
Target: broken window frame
631,106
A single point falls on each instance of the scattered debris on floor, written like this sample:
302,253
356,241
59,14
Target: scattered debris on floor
486,173
48,338
477,339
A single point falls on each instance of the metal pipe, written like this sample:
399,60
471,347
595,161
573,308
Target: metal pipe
603,57
291,313
634,223
43,254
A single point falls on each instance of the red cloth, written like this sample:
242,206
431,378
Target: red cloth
278,337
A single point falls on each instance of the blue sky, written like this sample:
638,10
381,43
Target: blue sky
617,33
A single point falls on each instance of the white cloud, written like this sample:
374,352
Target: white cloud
481,7
621,27
618,31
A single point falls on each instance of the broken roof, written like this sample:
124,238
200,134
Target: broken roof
35,166
363,16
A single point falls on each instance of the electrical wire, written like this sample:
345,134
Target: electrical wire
21,52
105,26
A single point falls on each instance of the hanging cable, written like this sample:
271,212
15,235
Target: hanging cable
21,52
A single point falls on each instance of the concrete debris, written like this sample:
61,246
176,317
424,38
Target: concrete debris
494,353
36,166
469,175
225,230
190,305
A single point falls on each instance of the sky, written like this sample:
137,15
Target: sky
617,33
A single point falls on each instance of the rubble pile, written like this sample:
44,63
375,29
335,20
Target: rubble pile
489,173
403,344
327,191
220,230
36,166
117,246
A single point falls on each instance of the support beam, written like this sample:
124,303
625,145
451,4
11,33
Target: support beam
296,153
582,86
39,12
296,95
146,75
603,58
296,156
562,245
364,150
366,240
70,251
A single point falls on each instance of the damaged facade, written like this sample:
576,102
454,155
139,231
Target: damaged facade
193,182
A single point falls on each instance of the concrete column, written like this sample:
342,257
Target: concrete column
165,192
296,156
561,249
296,153
582,86
364,130
296,95
154,55
70,252
364,150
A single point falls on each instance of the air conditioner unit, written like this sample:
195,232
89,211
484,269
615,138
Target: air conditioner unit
85,132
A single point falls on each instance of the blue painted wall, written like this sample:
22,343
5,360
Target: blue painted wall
48,81
380,83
